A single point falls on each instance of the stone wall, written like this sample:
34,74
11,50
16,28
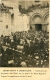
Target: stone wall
20,22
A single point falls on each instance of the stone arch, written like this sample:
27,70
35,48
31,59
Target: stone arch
46,15
46,21
36,19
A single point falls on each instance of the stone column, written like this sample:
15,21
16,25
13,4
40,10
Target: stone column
33,27
44,27
47,27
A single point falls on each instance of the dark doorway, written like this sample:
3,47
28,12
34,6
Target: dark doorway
38,27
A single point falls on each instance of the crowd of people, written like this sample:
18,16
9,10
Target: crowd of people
32,7
25,49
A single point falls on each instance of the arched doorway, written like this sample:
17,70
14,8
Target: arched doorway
36,22
38,27
46,20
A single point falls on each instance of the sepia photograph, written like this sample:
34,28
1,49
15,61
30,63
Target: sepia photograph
24,33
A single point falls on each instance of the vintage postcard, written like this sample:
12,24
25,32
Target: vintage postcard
24,39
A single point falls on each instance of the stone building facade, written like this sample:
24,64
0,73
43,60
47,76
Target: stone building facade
38,14
40,19
34,15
